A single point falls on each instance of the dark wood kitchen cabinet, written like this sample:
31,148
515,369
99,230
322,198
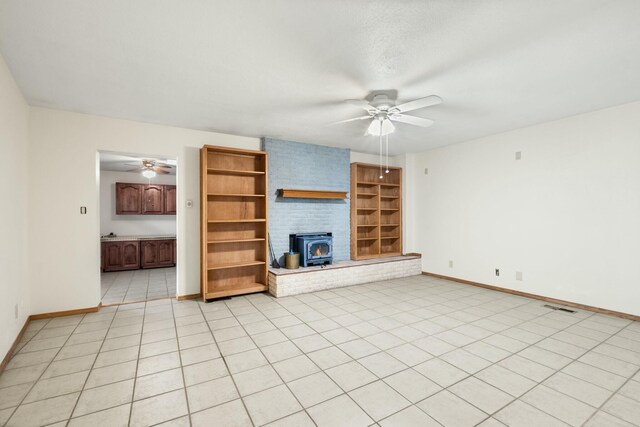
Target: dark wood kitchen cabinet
145,199
157,253
135,254
123,255
152,199
170,200
128,199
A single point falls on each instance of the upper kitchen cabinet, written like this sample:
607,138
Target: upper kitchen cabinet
152,199
128,199
145,199
170,199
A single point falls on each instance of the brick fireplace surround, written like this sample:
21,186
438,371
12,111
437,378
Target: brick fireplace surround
283,282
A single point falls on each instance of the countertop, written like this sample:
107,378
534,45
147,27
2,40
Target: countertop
129,238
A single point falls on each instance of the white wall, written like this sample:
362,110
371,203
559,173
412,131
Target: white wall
14,119
141,225
64,247
567,215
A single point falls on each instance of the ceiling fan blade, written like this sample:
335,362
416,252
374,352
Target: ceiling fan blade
412,120
163,166
135,170
362,104
163,172
427,101
351,120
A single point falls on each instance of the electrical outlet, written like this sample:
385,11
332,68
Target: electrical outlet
518,155
426,171
450,264
16,312
518,275
497,271
189,203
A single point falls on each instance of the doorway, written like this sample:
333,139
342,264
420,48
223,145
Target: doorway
138,245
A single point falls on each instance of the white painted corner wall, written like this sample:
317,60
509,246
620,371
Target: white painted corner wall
127,225
14,290
567,215
64,245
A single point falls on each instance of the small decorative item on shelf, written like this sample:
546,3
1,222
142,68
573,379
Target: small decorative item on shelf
292,260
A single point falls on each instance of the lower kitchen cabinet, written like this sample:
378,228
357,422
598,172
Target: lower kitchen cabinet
135,254
120,255
157,253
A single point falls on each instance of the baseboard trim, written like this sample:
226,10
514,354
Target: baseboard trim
9,354
189,296
66,313
539,297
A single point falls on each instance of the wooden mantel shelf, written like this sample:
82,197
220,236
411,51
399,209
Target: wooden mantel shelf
311,194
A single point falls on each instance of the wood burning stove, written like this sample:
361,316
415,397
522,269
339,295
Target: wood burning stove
314,248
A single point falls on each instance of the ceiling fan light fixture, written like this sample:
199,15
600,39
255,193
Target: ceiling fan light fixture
387,127
149,173
374,127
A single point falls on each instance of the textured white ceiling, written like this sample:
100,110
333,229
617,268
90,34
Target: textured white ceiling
280,68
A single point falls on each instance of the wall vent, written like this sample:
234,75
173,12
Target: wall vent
553,307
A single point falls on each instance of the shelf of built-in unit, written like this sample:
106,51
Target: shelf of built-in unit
386,254
234,265
223,221
210,242
237,289
233,172
367,225
367,194
233,195
389,197
389,225
383,184
390,209
390,238
367,209
367,238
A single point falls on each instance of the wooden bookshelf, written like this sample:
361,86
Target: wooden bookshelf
233,210
376,211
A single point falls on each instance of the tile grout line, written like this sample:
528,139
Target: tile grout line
184,382
135,375
90,369
224,360
45,369
613,394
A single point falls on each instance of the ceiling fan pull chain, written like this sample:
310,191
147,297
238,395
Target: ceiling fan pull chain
380,162
387,152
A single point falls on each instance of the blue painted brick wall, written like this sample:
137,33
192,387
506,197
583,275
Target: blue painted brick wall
311,167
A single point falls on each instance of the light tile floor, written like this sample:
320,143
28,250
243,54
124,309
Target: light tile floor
119,287
417,351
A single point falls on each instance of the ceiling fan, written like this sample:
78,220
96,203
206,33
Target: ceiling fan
383,111
150,168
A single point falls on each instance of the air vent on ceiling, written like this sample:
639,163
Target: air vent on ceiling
553,307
